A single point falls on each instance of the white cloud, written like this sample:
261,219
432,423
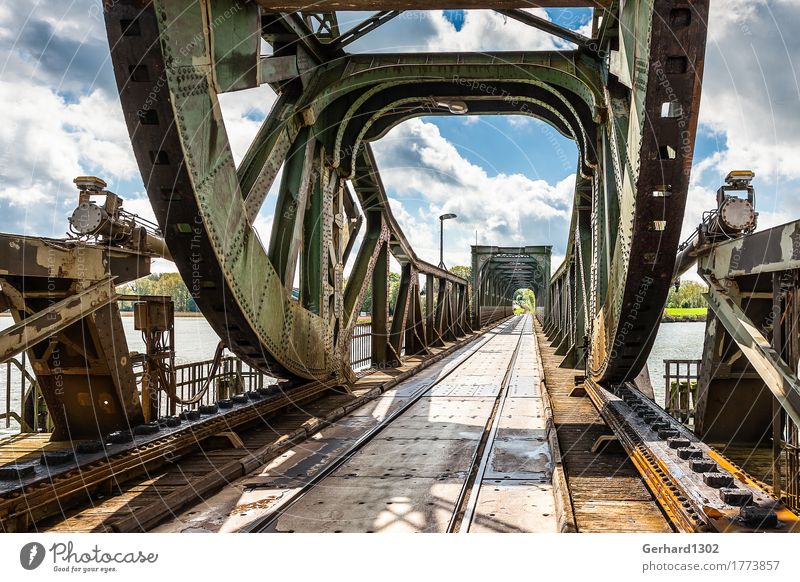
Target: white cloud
417,160
423,169
46,141
243,112
751,93
419,230
488,30
482,30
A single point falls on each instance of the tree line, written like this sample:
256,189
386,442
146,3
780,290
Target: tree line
689,294
169,284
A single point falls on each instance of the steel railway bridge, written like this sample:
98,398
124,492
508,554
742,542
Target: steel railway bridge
628,95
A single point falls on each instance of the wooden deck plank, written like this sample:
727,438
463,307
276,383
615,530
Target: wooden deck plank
607,492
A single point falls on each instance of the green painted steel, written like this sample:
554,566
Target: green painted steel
606,95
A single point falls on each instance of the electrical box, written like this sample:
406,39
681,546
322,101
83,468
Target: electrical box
153,316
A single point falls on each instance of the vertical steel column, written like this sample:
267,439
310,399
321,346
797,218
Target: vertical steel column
430,299
311,259
400,314
380,305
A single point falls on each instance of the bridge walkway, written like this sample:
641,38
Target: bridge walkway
460,447
607,492
140,499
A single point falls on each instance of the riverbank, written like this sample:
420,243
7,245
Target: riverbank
684,314
178,314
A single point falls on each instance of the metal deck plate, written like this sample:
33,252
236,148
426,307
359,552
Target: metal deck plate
298,464
420,427
520,459
444,407
410,457
515,507
367,504
523,413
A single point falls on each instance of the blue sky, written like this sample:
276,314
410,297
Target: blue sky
508,178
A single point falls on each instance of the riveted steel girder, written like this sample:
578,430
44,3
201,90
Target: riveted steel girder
627,218
172,59
498,272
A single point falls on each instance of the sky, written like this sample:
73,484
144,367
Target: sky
509,179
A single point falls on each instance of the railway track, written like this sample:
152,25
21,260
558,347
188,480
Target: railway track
133,486
460,454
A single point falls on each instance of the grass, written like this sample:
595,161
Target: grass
686,311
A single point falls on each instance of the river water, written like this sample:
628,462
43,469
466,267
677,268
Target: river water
675,341
195,340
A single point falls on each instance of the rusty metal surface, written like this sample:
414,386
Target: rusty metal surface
684,492
53,319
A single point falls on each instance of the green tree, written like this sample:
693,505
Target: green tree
526,299
462,271
688,294
169,284
394,289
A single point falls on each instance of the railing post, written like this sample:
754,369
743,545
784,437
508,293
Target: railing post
380,309
430,299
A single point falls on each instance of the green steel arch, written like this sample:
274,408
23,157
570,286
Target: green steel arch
173,58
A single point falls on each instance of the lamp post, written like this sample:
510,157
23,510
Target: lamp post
442,218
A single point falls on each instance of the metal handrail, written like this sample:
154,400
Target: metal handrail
196,383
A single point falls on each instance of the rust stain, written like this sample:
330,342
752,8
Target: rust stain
260,504
795,236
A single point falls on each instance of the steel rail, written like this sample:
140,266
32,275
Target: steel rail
696,487
263,524
468,497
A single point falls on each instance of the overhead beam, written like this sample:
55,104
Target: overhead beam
344,5
48,322
364,28
546,26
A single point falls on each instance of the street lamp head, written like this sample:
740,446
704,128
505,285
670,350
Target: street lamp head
454,106
447,216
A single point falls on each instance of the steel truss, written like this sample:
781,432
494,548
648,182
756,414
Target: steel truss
173,59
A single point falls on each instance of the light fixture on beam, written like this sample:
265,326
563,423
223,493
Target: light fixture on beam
454,106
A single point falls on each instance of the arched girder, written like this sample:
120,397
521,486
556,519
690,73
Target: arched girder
523,275
568,70
562,110
387,122
639,197
204,205
348,113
